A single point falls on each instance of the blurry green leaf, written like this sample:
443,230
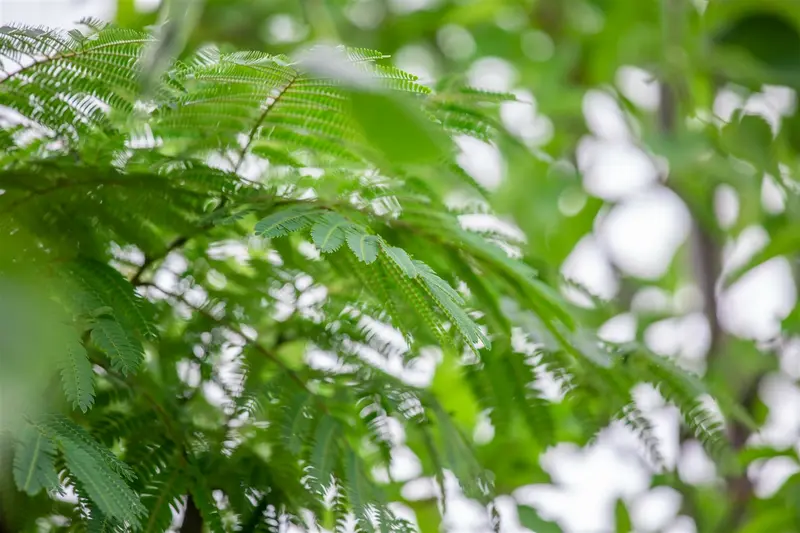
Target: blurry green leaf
283,222
402,260
529,518
622,518
774,520
397,129
177,21
750,454
750,137
785,241
33,462
768,37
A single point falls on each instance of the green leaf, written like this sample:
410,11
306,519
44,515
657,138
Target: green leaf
77,376
125,352
103,287
101,523
785,241
104,486
529,518
361,493
622,518
329,233
296,423
286,221
163,495
66,432
402,260
771,519
398,129
450,302
750,138
205,504
364,246
33,462
324,455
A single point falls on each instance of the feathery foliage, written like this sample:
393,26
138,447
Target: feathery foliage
244,260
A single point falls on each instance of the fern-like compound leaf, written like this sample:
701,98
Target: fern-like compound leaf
363,245
77,377
286,221
402,260
104,486
34,469
125,352
66,432
325,453
450,303
329,233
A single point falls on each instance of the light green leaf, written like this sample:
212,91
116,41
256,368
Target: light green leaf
529,518
397,128
364,246
33,462
749,137
402,260
433,280
324,455
622,518
286,221
450,302
329,233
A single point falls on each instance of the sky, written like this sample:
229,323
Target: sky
638,235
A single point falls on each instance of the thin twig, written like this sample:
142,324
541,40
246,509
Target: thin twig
148,261
238,331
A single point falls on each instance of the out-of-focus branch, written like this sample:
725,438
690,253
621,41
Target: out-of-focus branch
706,257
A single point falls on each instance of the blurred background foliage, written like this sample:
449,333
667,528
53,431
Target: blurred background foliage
686,56
557,55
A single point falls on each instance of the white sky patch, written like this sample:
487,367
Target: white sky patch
492,74
482,161
614,170
639,86
643,233
589,266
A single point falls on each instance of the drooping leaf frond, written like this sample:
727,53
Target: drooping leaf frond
77,376
33,463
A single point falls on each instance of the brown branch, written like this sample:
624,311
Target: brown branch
148,261
252,135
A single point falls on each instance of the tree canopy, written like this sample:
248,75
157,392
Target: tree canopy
238,284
